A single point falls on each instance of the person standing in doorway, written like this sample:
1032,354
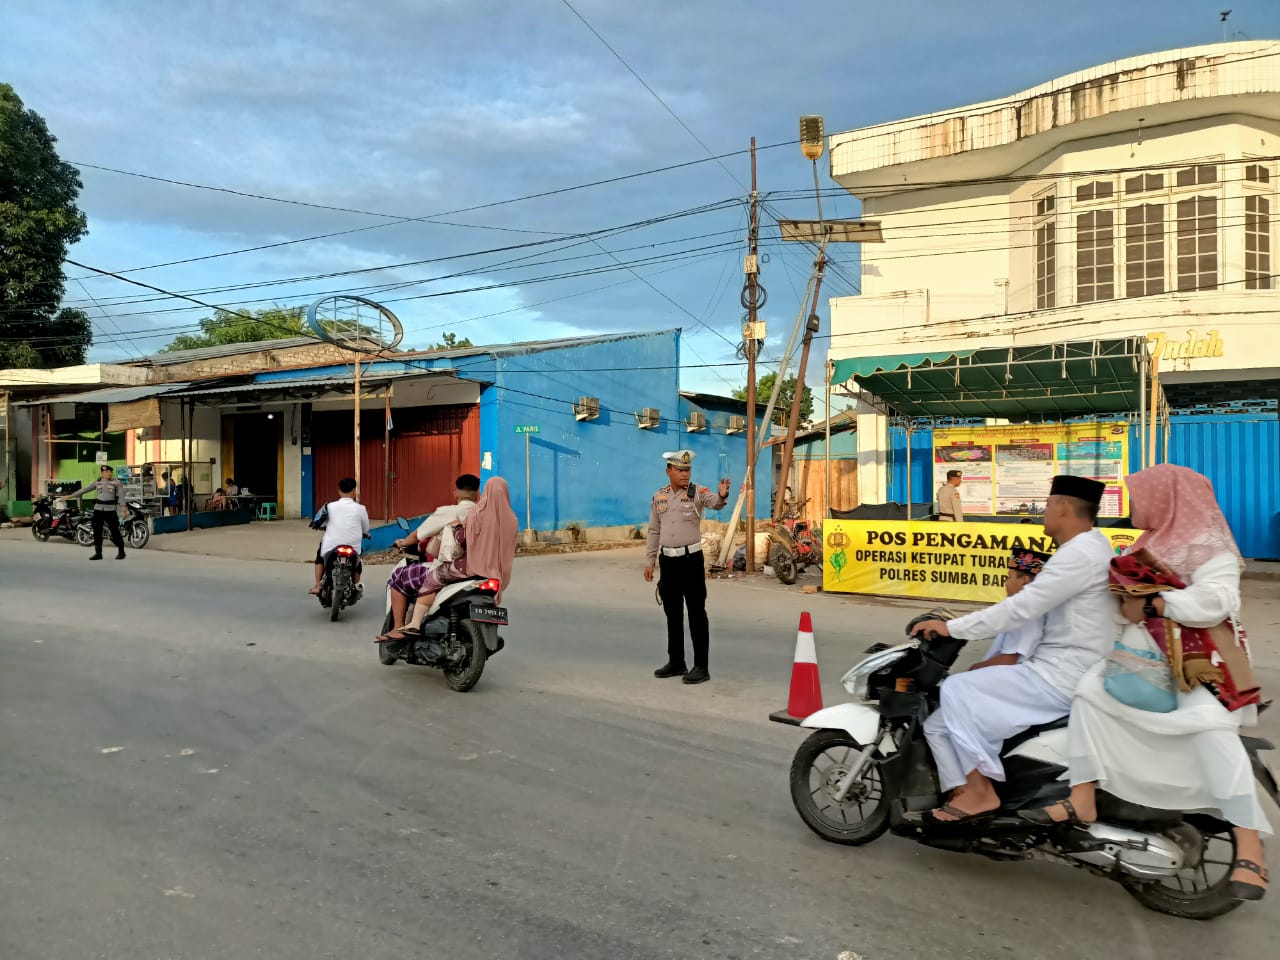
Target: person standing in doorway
675,547
949,506
110,492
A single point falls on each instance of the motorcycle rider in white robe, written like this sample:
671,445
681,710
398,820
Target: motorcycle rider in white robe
981,709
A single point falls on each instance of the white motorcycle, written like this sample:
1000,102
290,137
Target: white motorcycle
868,769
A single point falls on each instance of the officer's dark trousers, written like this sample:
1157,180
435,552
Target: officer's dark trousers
110,518
683,581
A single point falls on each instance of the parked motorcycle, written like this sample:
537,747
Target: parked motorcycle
134,529
338,586
54,518
868,769
459,633
793,543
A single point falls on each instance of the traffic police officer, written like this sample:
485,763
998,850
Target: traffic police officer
675,545
110,493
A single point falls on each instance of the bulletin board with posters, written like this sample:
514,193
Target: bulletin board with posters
931,560
1006,470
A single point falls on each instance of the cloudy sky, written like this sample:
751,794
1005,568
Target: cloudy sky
448,113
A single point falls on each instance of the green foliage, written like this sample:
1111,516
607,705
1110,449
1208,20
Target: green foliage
450,341
781,412
244,326
39,219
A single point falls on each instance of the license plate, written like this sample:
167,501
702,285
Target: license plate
488,613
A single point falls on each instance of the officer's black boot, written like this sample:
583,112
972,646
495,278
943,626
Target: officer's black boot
669,670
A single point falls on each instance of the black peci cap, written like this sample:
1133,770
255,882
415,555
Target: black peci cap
1082,488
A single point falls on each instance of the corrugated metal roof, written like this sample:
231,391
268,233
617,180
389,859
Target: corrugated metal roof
715,400
320,382
110,394
528,346
225,350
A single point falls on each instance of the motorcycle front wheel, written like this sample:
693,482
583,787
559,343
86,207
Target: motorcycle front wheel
1201,891
465,674
40,532
139,536
819,765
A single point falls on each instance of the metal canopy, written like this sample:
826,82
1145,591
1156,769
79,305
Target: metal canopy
109,395
304,388
1016,383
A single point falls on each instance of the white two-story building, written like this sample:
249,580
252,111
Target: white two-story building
1136,199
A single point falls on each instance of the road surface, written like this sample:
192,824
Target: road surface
195,764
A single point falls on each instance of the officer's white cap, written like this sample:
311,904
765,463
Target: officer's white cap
679,458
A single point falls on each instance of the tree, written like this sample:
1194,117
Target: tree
244,326
781,412
39,219
450,341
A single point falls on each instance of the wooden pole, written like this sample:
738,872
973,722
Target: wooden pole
826,512
356,430
386,453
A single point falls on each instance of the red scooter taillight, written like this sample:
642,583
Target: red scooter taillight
346,551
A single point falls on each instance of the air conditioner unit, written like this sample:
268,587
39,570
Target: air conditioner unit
697,422
587,408
736,424
648,418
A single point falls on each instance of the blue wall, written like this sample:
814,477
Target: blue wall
921,465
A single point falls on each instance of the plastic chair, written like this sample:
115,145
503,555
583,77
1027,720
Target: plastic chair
267,510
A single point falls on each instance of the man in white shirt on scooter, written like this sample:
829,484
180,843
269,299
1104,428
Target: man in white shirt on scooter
347,524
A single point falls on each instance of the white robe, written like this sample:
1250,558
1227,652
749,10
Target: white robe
1189,759
981,709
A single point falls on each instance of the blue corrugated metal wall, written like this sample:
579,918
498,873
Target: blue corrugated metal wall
921,465
1240,454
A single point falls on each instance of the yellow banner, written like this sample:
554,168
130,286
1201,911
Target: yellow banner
931,560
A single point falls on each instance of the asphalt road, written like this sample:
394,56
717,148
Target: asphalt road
195,764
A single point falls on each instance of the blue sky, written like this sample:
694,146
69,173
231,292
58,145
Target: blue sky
410,108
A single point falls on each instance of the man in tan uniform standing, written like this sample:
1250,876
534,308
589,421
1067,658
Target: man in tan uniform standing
675,545
949,506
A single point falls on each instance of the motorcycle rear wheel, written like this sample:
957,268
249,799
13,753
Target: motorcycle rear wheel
341,584
1202,892
40,532
783,563
467,674
819,765
84,535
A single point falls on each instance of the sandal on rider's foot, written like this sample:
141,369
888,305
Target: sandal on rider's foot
961,818
412,631
1249,891
1042,818
391,635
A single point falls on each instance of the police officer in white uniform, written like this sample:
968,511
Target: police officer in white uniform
675,546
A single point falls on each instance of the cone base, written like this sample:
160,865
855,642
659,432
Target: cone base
781,716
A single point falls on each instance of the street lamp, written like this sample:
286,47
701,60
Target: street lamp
812,137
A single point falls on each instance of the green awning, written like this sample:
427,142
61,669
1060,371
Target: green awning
865,366
1052,381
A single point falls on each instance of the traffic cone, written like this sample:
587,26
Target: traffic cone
806,689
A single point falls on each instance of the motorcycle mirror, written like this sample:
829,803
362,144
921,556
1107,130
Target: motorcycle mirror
402,523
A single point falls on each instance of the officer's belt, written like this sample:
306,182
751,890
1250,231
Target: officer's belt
681,551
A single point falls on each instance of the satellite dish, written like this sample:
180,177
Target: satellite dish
353,321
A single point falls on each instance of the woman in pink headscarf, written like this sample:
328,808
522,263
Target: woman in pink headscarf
1179,587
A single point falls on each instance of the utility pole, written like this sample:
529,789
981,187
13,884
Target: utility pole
751,268
356,431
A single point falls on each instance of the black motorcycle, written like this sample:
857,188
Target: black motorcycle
338,586
460,631
134,529
50,522
868,769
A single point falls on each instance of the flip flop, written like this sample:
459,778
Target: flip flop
391,635
961,818
1041,816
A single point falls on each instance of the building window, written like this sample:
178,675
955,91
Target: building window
1046,252
1197,241
1095,256
1196,176
1257,241
1257,173
1144,183
1096,190
1144,249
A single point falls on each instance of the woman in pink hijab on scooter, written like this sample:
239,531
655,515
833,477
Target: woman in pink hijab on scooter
492,532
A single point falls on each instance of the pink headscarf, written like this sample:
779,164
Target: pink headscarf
492,531
1183,523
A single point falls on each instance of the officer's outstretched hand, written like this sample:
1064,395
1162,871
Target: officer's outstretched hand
724,487
648,573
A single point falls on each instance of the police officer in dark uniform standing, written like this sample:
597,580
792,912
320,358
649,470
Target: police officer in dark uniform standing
675,546
110,493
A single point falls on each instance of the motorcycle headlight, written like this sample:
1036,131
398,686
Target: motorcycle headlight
856,680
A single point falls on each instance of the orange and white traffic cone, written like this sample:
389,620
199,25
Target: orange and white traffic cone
806,689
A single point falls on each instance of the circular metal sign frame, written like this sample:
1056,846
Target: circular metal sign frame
313,321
